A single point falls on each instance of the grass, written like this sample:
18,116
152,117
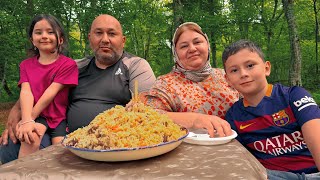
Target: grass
316,97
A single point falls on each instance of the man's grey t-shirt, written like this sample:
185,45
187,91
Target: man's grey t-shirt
102,89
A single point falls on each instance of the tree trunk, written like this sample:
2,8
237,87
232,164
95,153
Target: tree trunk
135,40
6,87
295,69
213,8
213,47
177,17
2,75
316,33
270,23
4,83
177,11
30,9
149,39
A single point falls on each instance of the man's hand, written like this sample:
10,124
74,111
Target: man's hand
13,119
9,132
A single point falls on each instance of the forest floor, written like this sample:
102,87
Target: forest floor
4,112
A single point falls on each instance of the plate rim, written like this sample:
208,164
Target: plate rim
217,139
123,149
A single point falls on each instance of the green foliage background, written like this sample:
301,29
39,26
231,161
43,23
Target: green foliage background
149,25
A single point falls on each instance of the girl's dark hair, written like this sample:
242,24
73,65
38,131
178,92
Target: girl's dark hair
57,29
239,45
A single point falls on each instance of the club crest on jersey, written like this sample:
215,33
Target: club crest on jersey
280,118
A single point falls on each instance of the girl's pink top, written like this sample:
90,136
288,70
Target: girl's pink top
64,71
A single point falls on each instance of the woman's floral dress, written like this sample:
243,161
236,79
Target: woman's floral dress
174,93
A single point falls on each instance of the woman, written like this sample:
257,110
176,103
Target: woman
193,94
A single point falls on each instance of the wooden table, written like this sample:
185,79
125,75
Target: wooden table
227,161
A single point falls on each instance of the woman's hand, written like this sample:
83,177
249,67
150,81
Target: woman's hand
213,124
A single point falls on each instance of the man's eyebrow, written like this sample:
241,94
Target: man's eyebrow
97,29
101,29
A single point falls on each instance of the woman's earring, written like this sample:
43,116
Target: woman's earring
35,48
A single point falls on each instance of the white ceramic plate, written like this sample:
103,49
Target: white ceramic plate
201,137
125,154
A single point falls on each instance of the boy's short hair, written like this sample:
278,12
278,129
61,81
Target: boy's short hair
239,45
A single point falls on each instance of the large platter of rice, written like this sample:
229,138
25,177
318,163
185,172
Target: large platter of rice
121,135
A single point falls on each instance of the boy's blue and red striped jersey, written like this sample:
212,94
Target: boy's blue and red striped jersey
272,130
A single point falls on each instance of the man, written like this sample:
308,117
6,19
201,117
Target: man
105,80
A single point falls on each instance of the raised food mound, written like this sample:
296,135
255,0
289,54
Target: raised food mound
117,128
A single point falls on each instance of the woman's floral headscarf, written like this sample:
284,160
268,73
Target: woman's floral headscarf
194,75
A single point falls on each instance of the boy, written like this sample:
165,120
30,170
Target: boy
279,125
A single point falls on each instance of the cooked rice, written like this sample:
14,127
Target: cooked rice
118,128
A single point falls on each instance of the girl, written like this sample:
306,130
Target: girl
45,79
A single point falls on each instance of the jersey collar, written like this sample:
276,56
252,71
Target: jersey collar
268,94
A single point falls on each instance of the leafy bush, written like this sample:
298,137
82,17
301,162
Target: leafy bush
316,97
